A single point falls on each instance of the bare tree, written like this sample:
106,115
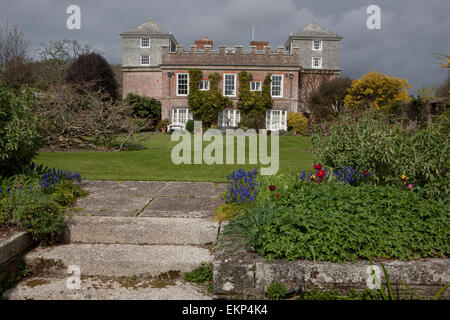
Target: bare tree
13,55
55,58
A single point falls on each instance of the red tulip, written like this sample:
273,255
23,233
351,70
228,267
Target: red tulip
277,195
320,174
272,187
317,166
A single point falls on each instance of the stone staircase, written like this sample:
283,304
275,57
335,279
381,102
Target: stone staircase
129,240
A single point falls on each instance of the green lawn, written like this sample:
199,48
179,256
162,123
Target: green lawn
154,163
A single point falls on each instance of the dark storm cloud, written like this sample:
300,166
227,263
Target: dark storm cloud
412,30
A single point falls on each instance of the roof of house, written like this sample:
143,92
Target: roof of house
313,30
148,28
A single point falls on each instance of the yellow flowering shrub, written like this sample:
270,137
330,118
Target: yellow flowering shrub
380,91
298,122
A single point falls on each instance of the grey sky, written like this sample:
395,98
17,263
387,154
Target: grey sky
412,30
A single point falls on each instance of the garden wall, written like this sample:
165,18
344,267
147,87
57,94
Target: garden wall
12,248
248,276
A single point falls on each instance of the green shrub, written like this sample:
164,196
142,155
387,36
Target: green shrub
201,274
276,291
144,107
298,122
20,136
34,211
372,143
334,222
66,192
190,125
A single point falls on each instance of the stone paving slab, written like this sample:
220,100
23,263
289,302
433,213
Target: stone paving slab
144,188
186,189
219,188
142,230
111,204
93,288
181,207
99,186
119,260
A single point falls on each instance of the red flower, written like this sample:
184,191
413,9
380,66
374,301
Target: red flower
277,195
320,174
366,172
317,166
272,187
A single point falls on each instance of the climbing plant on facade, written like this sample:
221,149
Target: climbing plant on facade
206,105
253,102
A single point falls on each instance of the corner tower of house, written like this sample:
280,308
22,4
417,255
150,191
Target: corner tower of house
142,46
318,47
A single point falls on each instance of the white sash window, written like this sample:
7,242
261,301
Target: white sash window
276,120
229,85
181,116
229,118
277,86
182,84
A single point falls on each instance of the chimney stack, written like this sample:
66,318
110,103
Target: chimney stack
200,44
259,44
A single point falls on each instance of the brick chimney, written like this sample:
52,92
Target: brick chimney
259,44
200,44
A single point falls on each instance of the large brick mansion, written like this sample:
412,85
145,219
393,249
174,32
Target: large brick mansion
153,64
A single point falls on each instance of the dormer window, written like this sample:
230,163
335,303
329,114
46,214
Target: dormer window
145,42
317,45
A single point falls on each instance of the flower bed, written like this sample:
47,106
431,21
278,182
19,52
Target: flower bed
34,201
336,217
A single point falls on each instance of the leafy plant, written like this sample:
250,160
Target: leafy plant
34,211
206,105
20,135
388,151
335,222
163,124
276,291
201,274
145,108
253,102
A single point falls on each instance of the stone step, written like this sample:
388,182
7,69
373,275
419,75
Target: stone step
94,288
142,230
119,260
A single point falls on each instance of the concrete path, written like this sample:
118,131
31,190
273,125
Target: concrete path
130,240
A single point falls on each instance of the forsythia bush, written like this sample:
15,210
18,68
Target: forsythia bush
377,90
297,121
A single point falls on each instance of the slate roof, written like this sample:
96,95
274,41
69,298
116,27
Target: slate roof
147,28
313,30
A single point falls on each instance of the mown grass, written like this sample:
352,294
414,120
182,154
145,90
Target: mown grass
154,162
